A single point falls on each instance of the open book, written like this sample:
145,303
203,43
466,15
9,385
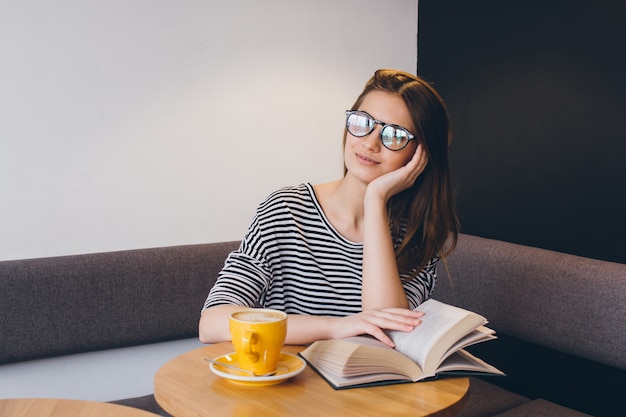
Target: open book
433,347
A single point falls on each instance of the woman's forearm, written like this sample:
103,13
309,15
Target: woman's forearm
301,329
382,287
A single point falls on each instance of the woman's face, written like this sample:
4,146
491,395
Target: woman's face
365,157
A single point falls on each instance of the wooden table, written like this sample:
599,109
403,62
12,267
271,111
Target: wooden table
186,387
53,407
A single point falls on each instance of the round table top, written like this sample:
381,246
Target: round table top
57,407
186,387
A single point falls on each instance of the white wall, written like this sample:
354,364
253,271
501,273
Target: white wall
141,123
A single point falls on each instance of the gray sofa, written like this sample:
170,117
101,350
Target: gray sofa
561,319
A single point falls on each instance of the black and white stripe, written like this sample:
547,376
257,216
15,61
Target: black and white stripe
292,259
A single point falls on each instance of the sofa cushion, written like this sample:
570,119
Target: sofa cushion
539,372
553,299
541,408
70,304
557,338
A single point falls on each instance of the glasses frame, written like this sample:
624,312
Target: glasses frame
378,122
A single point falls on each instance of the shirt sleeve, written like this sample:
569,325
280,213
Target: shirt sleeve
419,285
245,275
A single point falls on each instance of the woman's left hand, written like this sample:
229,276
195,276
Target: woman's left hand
393,182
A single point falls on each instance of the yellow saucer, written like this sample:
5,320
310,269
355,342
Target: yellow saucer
289,365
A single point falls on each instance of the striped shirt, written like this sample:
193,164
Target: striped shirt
292,259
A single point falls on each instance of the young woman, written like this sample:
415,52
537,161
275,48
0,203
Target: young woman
359,254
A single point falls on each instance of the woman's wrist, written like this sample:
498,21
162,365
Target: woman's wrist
374,198
303,329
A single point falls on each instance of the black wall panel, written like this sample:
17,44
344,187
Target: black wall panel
536,91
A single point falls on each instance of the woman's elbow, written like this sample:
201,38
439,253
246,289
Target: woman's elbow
205,337
214,324
207,332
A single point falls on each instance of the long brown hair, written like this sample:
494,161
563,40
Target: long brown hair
427,209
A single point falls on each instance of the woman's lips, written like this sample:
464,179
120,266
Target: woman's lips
365,160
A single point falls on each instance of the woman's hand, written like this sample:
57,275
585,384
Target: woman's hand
393,182
374,322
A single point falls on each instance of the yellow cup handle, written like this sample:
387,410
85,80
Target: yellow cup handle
250,338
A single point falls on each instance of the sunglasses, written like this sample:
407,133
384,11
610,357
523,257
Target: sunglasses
361,124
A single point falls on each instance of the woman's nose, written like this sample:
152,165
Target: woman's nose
372,141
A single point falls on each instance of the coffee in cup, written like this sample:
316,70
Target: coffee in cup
258,336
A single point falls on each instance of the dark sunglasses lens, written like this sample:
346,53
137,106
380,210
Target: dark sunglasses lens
359,124
394,138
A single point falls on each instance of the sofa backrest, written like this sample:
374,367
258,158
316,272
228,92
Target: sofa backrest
69,304
573,304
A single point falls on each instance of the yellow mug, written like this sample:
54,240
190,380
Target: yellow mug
258,336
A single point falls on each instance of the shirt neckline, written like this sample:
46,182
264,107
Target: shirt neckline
327,222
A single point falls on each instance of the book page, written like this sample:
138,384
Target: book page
374,379
442,325
481,334
462,360
359,355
